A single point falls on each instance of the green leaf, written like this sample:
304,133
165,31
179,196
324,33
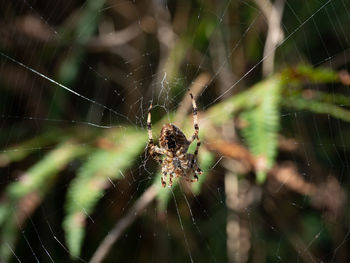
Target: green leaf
262,125
315,106
20,151
26,194
311,74
91,181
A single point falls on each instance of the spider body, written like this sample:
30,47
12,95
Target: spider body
172,138
173,145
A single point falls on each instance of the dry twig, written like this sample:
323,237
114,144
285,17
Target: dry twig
273,14
113,39
122,224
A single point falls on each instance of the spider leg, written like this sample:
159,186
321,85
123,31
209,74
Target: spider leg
178,172
195,120
193,137
171,171
195,177
181,152
162,179
171,179
194,166
187,163
154,150
168,169
193,180
149,126
164,175
197,148
197,172
156,153
194,157
182,159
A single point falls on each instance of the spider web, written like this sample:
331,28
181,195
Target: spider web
59,77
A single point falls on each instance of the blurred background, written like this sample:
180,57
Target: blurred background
272,88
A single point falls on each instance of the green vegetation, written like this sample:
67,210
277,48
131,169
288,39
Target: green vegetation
73,168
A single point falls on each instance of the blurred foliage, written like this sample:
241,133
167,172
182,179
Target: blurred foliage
93,177
72,167
262,124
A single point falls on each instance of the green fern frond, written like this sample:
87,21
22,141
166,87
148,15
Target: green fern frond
33,185
331,98
91,181
262,125
315,106
225,110
246,100
21,151
308,73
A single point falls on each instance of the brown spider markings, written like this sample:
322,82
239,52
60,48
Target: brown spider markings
174,145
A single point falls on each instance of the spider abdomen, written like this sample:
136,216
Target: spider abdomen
170,141
172,138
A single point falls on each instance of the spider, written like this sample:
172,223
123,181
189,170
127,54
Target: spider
173,144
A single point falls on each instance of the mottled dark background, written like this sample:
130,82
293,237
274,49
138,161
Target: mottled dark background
271,83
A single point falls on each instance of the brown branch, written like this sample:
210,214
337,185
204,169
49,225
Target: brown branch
145,199
232,150
329,196
287,175
113,39
273,14
344,77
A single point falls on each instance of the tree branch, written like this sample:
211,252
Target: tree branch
145,199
